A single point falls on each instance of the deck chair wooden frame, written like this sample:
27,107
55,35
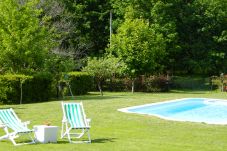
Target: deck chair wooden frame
13,127
74,123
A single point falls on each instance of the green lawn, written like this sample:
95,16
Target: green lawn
116,131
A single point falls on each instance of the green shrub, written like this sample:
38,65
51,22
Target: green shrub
3,91
142,84
34,88
191,83
80,82
156,84
11,87
117,84
38,88
215,82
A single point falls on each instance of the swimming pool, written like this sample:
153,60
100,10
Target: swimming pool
210,111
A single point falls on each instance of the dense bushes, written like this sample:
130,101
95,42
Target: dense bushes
80,82
38,88
41,86
142,83
189,82
34,88
156,84
11,87
116,84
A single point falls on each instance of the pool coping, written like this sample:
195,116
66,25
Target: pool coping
126,110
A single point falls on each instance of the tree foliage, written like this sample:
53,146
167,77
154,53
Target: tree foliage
82,26
103,68
194,32
199,24
139,46
184,37
24,41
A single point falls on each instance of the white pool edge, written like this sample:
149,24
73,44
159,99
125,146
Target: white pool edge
126,110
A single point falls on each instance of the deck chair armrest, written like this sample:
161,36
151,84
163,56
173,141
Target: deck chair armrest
64,120
88,121
2,125
26,123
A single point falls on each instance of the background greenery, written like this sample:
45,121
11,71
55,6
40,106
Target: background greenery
180,37
111,40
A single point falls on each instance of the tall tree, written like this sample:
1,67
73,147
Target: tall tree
103,68
24,41
139,45
159,15
194,32
82,26
199,25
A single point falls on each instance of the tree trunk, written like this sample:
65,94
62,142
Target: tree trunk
133,85
21,92
100,87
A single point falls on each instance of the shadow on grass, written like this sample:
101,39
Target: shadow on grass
14,107
68,98
98,140
189,91
103,140
91,97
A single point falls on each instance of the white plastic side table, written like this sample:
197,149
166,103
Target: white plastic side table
46,134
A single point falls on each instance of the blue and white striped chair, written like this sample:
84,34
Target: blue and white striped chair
74,119
13,126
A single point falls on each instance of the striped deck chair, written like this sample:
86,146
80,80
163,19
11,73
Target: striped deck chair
13,126
74,123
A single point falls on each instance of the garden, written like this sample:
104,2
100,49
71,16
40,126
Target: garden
114,130
113,54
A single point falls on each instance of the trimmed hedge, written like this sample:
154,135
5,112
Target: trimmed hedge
80,82
35,88
191,83
142,84
11,87
38,89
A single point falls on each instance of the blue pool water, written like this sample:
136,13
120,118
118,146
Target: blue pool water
211,111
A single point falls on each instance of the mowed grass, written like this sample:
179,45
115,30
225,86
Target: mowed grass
112,130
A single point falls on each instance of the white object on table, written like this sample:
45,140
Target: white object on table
46,134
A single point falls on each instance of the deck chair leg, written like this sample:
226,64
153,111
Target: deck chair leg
11,137
81,134
69,138
4,137
18,144
33,140
67,132
62,130
7,134
13,141
89,137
